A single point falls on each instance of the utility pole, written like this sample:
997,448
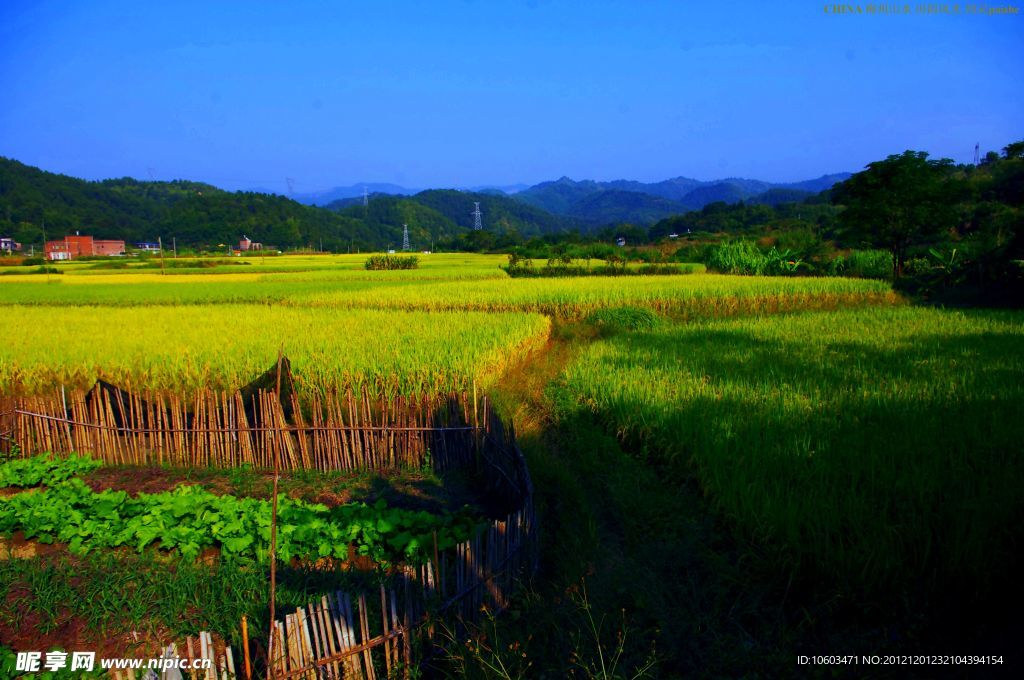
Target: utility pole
43,227
174,240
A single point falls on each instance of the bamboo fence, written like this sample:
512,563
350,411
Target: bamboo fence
342,431
360,634
376,635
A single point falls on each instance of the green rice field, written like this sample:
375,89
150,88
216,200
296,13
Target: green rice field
875,449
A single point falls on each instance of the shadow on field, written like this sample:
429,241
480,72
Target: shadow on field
874,493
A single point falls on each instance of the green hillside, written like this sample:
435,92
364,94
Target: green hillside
35,204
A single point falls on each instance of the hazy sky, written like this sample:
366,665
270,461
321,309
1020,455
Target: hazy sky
469,93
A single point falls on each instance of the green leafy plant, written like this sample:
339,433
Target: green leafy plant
25,472
190,519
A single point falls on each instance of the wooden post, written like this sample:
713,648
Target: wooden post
273,531
245,647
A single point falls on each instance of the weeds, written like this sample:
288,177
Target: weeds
586,647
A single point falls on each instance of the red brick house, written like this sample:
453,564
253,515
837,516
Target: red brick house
70,247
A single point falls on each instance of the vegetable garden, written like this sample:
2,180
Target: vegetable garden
425,563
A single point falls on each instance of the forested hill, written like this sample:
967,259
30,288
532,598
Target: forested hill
440,215
501,213
33,201
200,215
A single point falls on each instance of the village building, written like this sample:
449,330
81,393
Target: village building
70,247
247,244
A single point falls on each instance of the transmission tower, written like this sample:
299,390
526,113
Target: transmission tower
405,237
478,222
977,153
366,197
290,181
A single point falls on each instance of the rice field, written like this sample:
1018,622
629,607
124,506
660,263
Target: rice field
846,441
878,449
183,349
692,295
130,290
687,295
434,328
436,266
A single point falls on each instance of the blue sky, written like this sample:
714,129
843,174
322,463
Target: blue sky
471,93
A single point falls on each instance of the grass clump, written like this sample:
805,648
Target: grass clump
624,319
387,262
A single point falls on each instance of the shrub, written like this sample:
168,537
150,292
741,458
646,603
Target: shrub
520,270
916,266
869,264
37,270
737,257
382,262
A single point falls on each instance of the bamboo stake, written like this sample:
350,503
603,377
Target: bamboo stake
273,532
245,647
364,626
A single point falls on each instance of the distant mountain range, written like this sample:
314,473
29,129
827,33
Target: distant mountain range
354,191
598,203
629,201
323,198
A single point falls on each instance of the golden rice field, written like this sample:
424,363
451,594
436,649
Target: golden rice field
687,295
457,318
182,349
250,268
457,283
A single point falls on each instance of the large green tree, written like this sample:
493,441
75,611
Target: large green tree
899,202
